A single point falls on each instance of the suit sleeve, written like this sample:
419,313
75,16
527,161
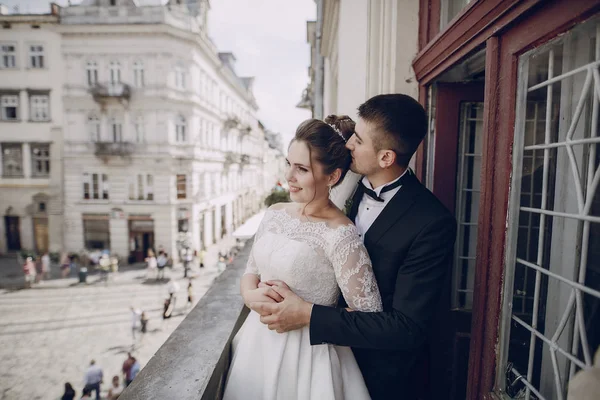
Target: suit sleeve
419,283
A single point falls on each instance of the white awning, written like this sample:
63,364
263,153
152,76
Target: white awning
249,228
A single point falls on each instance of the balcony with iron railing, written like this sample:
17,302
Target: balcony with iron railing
194,361
113,149
101,92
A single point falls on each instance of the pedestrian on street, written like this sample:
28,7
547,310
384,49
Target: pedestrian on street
135,318
126,369
104,263
93,378
46,266
69,392
64,264
167,309
115,390
38,269
201,256
87,393
151,264
172,288
188,256
190,294
144,321
161,263
135,368
29,271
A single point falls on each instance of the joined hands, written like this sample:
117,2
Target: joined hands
279,308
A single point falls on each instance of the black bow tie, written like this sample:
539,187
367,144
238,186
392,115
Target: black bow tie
391,186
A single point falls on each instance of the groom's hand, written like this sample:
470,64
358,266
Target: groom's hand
290,314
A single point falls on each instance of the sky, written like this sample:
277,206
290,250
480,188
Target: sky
268,39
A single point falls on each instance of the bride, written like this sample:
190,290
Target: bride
312,246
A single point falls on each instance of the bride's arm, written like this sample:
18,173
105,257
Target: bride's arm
354,273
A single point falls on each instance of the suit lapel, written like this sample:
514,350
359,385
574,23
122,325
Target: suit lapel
356,198
398,205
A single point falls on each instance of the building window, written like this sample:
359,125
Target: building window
94,128
450,9
40,160
141,187
9,55
552,275
36,56
91,69
12,160
138,74
138,127
116,129
115,72
39,107
180,129
181,186
10,107
95,186
180,77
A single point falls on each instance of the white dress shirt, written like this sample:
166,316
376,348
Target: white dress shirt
369,208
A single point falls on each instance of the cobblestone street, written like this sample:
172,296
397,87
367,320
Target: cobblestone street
49,334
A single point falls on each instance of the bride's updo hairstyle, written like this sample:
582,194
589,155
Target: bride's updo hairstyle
326,142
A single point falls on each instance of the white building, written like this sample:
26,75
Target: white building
30,132
160,136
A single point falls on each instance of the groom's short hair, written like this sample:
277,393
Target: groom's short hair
401,124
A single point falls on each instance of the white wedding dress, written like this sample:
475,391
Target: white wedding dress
316,261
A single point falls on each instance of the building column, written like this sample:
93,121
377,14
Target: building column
126,128
55,205
119,237
27,241
353,35
26,160
24,106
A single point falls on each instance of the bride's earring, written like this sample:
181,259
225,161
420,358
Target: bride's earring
329,186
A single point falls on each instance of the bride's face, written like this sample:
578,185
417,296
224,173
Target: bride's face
306,180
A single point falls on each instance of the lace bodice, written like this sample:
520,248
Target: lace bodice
315,260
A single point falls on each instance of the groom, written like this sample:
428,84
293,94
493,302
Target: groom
410,237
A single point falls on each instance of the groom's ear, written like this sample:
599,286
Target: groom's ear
386,158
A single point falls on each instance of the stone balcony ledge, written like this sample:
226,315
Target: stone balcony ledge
193,362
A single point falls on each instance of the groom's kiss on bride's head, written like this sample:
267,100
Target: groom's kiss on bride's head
388,132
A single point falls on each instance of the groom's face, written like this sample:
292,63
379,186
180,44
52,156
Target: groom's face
361,145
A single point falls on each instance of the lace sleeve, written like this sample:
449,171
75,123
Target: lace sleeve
353,271
251,267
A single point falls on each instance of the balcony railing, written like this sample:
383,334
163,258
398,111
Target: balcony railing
103,91
113,149
194,361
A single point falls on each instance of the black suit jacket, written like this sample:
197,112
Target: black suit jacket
410,245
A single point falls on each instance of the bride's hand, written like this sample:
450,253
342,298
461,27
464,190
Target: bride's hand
274,282
261,295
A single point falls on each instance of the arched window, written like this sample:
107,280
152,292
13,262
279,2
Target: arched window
180,129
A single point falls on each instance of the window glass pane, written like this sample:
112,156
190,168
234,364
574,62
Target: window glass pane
554,224
12,160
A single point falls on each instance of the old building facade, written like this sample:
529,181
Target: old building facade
30,133
161,139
